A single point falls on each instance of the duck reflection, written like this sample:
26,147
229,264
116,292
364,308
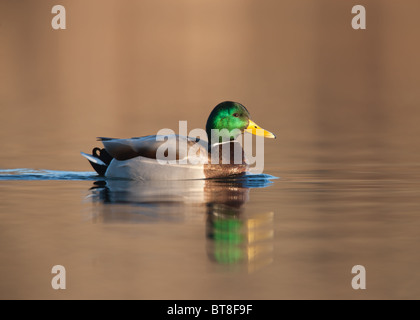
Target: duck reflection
235,235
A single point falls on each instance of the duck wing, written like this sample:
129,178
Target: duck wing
177,147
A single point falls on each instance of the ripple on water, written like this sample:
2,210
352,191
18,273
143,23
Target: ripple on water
251,180
32,174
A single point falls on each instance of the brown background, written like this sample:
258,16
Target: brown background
131,68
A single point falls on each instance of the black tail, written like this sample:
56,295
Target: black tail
100,160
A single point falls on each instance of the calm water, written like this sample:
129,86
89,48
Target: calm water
254,238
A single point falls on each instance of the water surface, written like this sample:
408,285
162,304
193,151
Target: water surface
254,238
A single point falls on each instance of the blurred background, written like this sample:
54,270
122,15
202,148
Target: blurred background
344,104
130,69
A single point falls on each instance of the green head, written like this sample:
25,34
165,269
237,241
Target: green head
235,118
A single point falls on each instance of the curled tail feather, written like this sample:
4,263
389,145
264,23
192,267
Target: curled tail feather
99,159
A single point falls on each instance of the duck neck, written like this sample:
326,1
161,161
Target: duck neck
228,152
218,136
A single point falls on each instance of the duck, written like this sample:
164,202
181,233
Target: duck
176,157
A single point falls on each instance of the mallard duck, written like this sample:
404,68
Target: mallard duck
142,158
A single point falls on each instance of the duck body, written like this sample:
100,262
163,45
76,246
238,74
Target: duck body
140,159
141,168
175,157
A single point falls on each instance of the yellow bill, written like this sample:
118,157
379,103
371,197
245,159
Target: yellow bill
258,131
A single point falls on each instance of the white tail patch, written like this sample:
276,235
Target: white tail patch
93,159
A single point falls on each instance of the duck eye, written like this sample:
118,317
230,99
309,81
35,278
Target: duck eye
236,115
